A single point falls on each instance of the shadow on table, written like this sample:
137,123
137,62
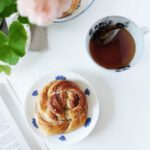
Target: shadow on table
105,98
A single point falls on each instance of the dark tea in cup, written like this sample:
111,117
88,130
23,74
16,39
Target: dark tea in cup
115,43
112,46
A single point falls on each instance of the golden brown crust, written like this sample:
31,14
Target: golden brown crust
61,107
73,7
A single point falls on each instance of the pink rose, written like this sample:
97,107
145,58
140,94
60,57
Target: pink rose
43,12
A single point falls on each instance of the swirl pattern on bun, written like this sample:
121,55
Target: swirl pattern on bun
61,107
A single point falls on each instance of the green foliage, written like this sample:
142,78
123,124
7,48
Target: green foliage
17,40
23,20
12,46
6,69
9,10
7,7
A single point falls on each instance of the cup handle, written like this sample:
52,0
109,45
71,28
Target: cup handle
144,30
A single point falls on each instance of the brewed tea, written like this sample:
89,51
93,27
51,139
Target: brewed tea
112,47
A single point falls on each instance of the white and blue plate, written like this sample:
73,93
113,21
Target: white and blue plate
93,108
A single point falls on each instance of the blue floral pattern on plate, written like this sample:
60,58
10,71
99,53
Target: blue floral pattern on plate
35,93
87,91
60,77
34,123
88,122
62,138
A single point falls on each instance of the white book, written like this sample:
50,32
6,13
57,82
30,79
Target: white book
10,136
11,111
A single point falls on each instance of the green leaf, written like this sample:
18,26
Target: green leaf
5,3
8,56
17,38
8,10
3,39
6,69
12,46
23,20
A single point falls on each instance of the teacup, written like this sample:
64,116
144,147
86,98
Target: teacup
125,24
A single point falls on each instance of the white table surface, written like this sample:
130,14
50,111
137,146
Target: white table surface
124,97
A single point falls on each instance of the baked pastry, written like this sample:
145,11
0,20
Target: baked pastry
61,107
73,7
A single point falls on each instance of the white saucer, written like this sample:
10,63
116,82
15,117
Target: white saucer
93,108
84,5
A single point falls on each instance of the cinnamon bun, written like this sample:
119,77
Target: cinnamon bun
61,107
